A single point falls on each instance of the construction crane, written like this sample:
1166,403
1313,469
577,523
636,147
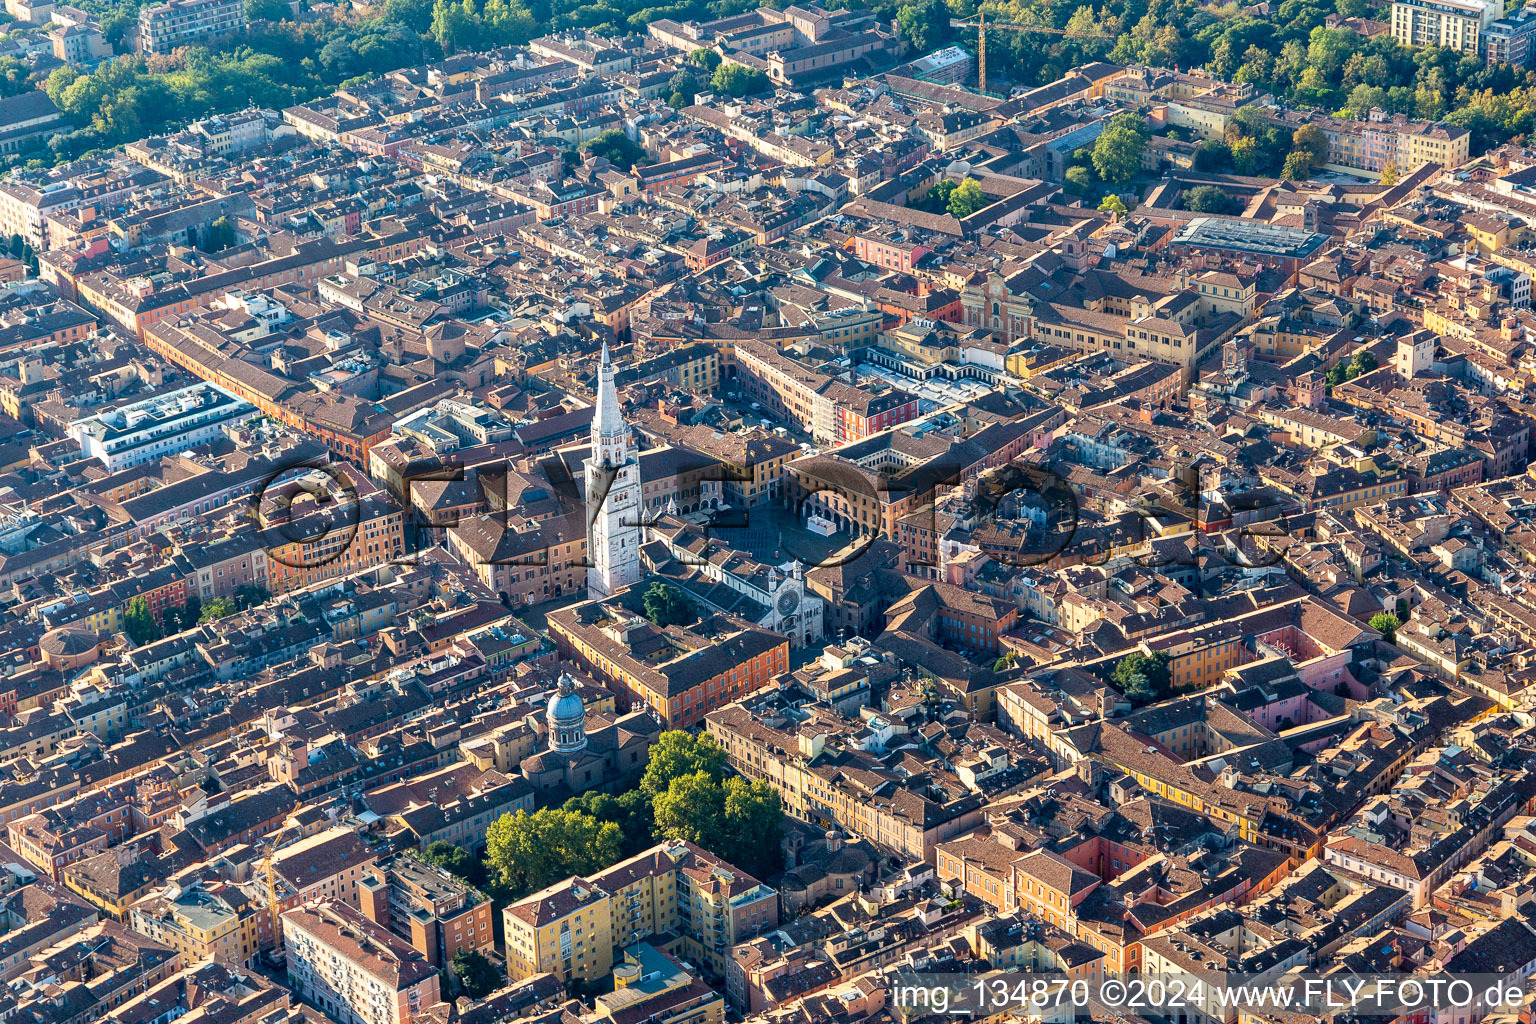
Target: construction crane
980,25
277,938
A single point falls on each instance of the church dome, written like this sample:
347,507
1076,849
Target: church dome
70,647
567,718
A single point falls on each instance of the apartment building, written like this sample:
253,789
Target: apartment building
1385,140
79,43
164,27
1508,40
356,971
830,410
327,865
309,541
425,906
820,780
203,919
1455,24
572,928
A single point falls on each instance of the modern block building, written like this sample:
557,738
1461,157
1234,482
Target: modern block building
166,424
439,916
164,27
1508,40
1456,24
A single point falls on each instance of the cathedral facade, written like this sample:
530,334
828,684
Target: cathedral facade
718,577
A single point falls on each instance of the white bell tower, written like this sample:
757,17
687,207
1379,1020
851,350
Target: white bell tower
613,494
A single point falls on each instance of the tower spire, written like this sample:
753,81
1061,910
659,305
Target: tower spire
613,492
609,430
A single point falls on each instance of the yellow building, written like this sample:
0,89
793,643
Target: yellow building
565,930
1222,292
923,341
693,368
1025,364
201,922
652,986
572,928
113,881
1494,231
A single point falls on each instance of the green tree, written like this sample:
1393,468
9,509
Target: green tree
1328,49
692,808
665,605
1297,167
1117,153
1362,362
1386,624
1212,155
15,77
1362,98
509,23
116,22
630,810
753,817
967,198
937,199
1079,179
616,147
267,10
525,852
455,860
707,59
1311,142
455,24
677,753
1389,175
217,608
139,623
219,236
1208,199
924,23
1113,204
1245,155
738,80
174,619
415,15
684,84
477,974
249,595
1143,678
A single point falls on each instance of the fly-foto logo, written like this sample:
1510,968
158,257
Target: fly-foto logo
1021,514
306,514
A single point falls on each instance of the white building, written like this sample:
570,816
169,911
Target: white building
356,971
949,66
166,424
452,424
773,597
